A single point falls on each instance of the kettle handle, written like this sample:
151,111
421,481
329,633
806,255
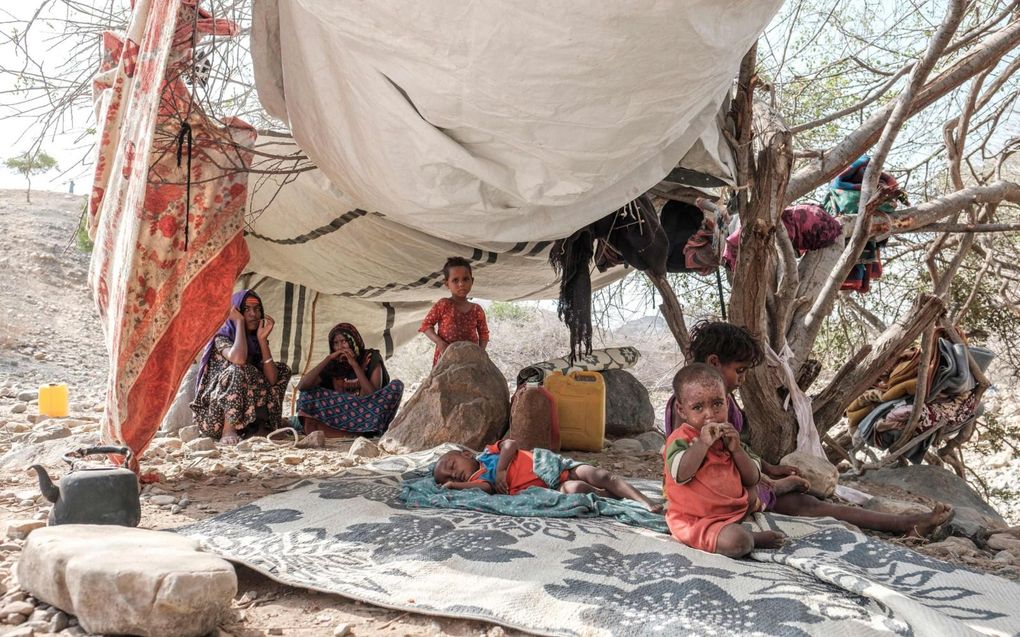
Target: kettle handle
89,451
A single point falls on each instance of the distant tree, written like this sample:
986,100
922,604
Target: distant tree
29,164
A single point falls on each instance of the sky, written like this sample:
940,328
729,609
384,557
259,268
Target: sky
16,136
71,147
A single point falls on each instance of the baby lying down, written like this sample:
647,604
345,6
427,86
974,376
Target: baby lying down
505,468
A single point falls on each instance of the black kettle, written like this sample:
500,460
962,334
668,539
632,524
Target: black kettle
93,495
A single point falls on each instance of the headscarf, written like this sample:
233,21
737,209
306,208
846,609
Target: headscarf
230,331
339,367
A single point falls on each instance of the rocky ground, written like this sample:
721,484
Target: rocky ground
49,332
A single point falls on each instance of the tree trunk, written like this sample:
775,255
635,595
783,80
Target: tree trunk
773,430
28,191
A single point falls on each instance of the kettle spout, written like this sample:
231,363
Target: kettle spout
49,490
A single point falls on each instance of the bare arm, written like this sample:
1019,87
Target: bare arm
478,484
311,379
691,461
507,452
268,366
238,352
368,385
748,469
432,336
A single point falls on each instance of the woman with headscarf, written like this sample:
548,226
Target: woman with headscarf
349,391
240,386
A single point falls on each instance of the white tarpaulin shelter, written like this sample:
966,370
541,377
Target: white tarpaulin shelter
484,130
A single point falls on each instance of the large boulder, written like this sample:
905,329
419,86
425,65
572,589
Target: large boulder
819,472
120,580
974,517
629,410
464,400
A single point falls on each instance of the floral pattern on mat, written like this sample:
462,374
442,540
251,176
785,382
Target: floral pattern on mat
351,535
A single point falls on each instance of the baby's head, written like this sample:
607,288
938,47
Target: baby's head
729,348
700,395
457,465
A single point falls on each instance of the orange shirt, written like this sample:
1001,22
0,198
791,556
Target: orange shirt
713,498
520,475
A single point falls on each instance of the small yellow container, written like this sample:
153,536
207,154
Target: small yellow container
580,408
53,400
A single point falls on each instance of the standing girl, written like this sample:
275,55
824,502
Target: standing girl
455,318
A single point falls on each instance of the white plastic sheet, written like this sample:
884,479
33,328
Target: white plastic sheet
503,121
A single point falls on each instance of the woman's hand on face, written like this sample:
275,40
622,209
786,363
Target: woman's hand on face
335,354
265,327
235,315
347,353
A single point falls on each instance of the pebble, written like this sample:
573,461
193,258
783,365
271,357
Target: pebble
275,631
20,631
51,433
184,501
28,396
22,608
163,500
14,619
1006,556
314,440
189,433
58,622
201,444
363,448
175,509
292,459
342,630
627,446
19,408
19,529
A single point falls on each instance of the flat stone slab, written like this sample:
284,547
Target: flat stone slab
120,580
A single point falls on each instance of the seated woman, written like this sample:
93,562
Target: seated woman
240,387
349,392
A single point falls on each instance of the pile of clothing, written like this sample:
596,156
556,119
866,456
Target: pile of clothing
879,415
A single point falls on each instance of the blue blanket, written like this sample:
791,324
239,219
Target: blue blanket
533,502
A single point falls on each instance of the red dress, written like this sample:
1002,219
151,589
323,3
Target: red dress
453,326
713,498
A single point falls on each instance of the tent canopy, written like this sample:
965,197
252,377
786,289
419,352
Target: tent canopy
485,130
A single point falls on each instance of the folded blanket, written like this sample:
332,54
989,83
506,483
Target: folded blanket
533,502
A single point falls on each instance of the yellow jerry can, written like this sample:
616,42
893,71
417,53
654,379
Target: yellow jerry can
580,409
53,400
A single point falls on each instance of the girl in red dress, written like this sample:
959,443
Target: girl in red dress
455,318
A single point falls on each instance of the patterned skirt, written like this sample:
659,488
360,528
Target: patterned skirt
234,393
350,412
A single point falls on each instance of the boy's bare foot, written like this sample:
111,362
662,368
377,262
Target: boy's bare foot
229,438
653,507
790,484
927,523
768,539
